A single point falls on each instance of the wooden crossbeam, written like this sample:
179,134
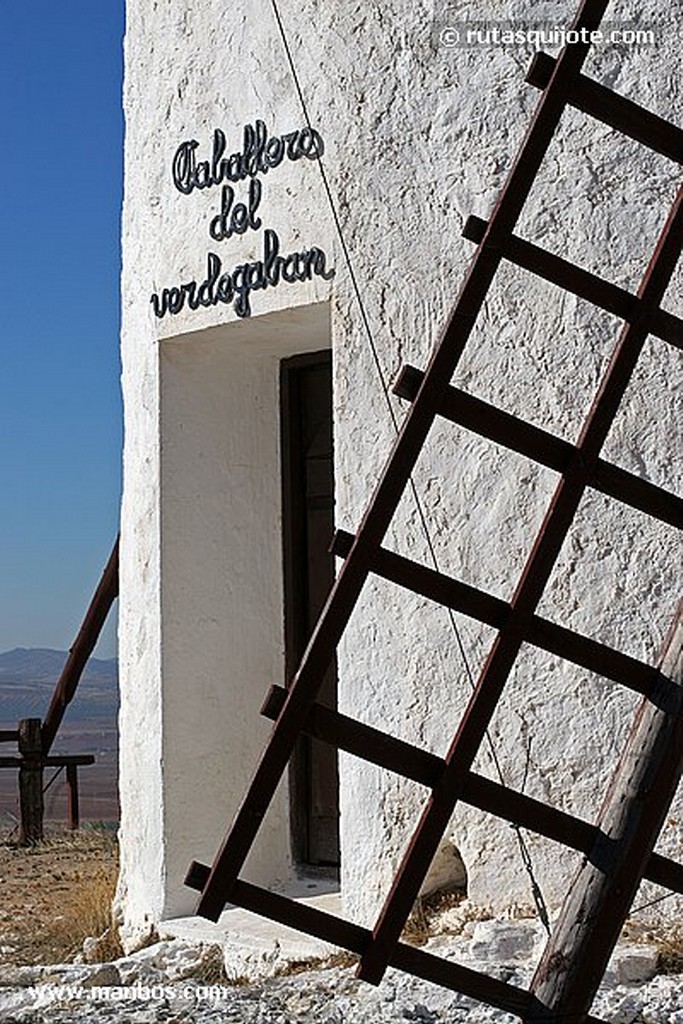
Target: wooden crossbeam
580,282
630,820
548,636
547,449
618,112
393,754
52,761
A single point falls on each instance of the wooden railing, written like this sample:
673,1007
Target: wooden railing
35,738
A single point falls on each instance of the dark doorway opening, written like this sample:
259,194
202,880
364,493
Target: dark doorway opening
308,524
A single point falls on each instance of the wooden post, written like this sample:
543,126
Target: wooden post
30,782
107,591
72,806
633,812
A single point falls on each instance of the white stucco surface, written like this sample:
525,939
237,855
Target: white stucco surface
416,137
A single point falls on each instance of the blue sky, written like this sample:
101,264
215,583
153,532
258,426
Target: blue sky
60,407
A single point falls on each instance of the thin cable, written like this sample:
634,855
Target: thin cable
54,778
526,858
660,899
335,215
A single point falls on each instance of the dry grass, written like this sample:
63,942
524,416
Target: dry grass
56,895
669,945
667,939
424,920
210,970
670,954
319,963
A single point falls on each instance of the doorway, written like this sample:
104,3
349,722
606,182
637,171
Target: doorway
308,525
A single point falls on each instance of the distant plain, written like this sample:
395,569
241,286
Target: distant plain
27,681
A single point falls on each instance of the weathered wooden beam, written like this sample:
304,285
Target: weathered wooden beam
30,782
633,812
72,796
52,761
88,635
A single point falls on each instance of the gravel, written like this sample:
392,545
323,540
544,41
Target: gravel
155,986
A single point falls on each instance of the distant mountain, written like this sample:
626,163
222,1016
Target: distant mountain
37,662
28,677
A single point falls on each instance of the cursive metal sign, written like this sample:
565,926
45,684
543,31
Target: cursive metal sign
260,153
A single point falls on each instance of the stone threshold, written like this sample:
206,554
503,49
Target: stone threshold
254,947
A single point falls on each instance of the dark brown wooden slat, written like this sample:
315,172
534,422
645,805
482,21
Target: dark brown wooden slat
539,445
592,655
436,586
633,490
55,761
580,282
439,971
423,767
533,581
362,740
354,938
9,735
52,761
502,427
454,976
665,872
609,107
558,271
31,803
549,636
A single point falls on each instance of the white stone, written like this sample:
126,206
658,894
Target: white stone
83,975
631,965
254,947
500,942
18,977
171,960
14,1001
446,871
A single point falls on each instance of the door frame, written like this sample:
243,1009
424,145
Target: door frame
293,555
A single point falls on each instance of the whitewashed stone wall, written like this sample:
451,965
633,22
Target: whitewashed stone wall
416,137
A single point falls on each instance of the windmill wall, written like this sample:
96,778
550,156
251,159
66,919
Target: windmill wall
415,135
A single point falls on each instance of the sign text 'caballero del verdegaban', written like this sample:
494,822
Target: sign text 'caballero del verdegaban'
239,177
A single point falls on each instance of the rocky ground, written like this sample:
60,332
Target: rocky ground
175,983
178,983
